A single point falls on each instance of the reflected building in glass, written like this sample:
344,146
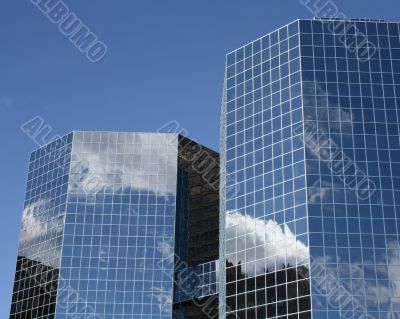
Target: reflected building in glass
119,225
310,174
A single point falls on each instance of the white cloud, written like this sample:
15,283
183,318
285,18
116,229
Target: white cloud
268,244
163,298
138,166
337,117
166,247
376,292
36,229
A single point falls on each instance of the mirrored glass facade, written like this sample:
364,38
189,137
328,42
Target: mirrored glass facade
108,227
41,234
196,269
310,173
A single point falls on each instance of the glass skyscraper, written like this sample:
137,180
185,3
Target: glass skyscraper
310,175
305,223
110,223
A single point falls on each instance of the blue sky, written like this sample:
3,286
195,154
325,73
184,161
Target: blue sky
165,61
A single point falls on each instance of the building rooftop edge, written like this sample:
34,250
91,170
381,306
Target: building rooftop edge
179,135
313,19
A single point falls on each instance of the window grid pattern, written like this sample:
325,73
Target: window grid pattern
353,106
266,227
37,271
197,282
119,232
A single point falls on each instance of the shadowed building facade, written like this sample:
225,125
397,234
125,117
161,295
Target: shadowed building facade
110,222
310,176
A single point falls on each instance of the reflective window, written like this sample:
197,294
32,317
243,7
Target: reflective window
316,172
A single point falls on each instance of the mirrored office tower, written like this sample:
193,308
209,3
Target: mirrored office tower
110,222
311,173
